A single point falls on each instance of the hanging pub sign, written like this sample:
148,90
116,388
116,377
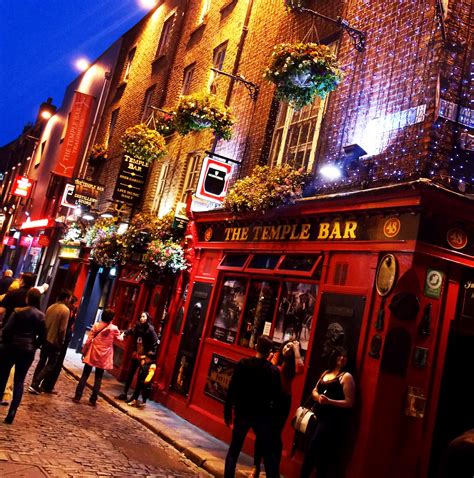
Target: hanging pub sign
131,180
68,197
22,186
213,180
86,192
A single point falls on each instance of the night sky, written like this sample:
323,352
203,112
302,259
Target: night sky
39,41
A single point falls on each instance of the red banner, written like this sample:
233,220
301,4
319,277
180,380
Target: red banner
76,130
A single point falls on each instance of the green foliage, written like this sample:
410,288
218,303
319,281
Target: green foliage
266,188
302,71
98,152
163,257
143,143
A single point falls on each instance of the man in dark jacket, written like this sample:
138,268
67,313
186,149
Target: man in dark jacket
17,298
145,343
6,281
253,388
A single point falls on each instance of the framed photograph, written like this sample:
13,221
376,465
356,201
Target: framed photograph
218,377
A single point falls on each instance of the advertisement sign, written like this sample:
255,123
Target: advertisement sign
86,192
433,283
25,241
68,196
218,377
36,224
9,241
76,131
22,186
213,180
70,252
131,180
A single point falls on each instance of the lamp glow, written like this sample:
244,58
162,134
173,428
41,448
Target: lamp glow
330,171
148,3
46,114
82,64
87,216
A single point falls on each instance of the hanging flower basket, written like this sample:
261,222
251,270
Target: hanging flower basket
163,257
143,143
203,111
107,251
266,188
302,71
294,5
165,124
98,153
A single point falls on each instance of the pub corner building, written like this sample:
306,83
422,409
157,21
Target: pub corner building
387,273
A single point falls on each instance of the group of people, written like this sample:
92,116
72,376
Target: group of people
259,398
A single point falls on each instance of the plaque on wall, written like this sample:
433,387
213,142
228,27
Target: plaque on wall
386,274
218,377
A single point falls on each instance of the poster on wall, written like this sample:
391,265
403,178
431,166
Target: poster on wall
131,180
218,377
229,310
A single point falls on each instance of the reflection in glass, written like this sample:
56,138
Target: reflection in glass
229,309
258,311
295,312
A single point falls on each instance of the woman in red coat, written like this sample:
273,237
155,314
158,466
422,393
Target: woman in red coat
99,353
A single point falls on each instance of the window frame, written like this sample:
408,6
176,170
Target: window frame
188,74
218,58
166,34
128,65
160,187
192,159
147,100
112,124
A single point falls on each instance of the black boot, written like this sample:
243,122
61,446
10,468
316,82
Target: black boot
10,417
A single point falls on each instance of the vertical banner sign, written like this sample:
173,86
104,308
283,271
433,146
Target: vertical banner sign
76,131
213,180
131,180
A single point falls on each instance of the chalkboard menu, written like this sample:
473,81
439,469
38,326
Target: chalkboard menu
131,180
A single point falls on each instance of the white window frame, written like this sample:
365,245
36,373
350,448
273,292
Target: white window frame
218,58
147,103
193,171
128,65
165,36
160,187
205,7
188,75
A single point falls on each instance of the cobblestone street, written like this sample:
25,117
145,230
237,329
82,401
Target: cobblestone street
52,436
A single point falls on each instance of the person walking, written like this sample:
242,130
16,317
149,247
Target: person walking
23,333
253,388
99,353
56,320
17,297
289,362
334,395
6,281
145,342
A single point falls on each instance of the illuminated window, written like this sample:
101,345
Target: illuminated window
217,63
192,175
160,187
188,79
206,5
113,122
147,103
63,133
128,65
165,36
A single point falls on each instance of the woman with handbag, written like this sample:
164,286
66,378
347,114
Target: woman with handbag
289,362
334,396
98,352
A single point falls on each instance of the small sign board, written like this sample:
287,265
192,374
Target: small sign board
131,180
214,180
22,186
68,196
86,192
433,283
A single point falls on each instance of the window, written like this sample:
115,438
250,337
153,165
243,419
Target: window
296,135
66,123
147,103
160,187
188,78
113,122
128,64
205,7
218,63
192,175
165,37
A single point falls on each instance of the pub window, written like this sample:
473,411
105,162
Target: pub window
264,261
234,260
300,264
128,64
165,37
160,187
147,103
188,78
113,122
192,175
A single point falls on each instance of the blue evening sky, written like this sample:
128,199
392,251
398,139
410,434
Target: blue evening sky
39,41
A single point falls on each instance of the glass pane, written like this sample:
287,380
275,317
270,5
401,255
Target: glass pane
264,261
298,263
229,309
295,312
234,260
259,311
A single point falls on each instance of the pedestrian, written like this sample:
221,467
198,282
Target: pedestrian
144,385
253,388
17,297
145,341
23,333
50,381
6,281
56,320
99,353
334,395
289,362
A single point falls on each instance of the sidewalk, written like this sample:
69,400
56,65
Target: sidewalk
201,448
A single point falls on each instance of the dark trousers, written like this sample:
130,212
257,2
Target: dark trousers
264,433
22,360
134,365
99,373
50,381
142,387
46,364
279,423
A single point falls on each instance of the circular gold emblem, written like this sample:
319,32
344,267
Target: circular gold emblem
392,226
386,274
456,238
208,234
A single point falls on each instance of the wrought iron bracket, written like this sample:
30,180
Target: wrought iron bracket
358,37
225,158
252,88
